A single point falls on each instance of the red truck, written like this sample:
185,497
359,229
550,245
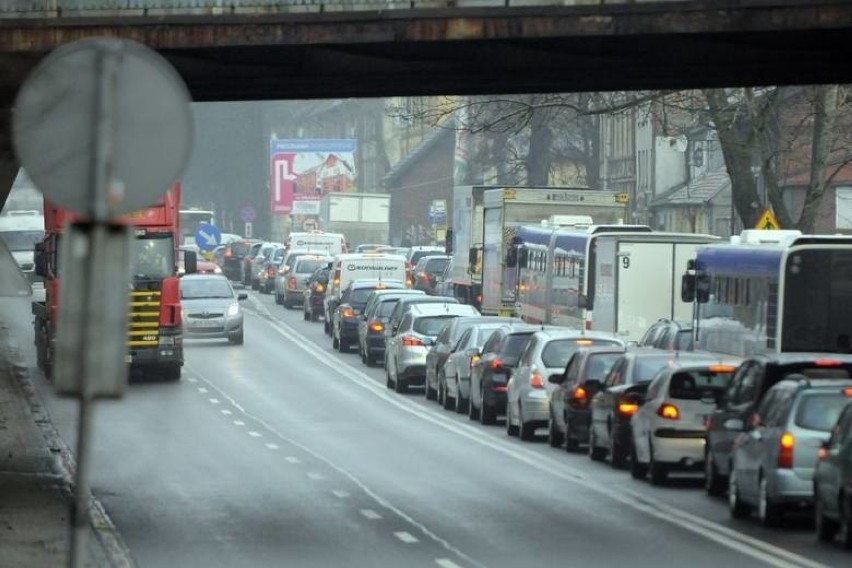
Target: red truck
155,336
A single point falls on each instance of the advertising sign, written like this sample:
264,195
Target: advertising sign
303,170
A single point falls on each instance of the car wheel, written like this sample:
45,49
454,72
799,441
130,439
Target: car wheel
769,513
714,484
571,443
617,455
845,509
739,509
314,316
461,402
637,470
326,328
388,381
237,338
288,305
487,415
554,437
171,372
446,401
825,528
472,411
278,299
335,343
595,453
659,473
511,429
430,393
400,385
527,429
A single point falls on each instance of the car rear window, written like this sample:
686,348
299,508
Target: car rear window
820,411
436,265
646,368
514,343
308,265
599,364
695,384
431,325
485,332
360,295
386,307
557,352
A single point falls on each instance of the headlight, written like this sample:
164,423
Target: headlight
217,270
234,309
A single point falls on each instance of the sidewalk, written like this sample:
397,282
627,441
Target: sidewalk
36,479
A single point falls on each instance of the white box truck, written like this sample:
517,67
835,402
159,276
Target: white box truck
362,217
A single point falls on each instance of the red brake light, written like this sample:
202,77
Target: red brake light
847,392
228,253
785,450
721,368
627,408
270,271
827,363
496,365
319,287
409,341
377,327
822,453
291,283
579,394
668,411
536,381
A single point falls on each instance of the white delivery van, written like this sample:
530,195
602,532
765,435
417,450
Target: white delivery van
331,244
363,266
20,231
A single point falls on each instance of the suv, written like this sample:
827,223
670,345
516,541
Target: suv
668,334
833,482
775,455
427,271
233,258
750,382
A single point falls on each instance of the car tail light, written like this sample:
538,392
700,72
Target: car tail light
473,361
496,365
785,450
270,271
822,453
828,363
228,253
847,392
500,388
536,381
377,327
479,299
627,408
579,394
319,288
347,313
411,341
668,411
291,283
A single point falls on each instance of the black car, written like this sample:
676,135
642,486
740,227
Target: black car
490,375
427,271
314,294
345,319
668,334
248,262
749,384
371,327
232,259
570,415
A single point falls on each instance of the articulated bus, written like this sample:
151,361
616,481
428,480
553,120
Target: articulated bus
772,291
618,278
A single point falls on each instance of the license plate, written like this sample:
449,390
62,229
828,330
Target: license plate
208,323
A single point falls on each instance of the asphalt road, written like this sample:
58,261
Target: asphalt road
284,452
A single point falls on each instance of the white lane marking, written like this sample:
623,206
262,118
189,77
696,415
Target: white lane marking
406,537
340,493
254,434
316,476
750,546
213,400
226,412
293,459
191,380
446,563
371,514
202,390
272,446
239,423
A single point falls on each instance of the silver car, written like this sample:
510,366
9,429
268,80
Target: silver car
407,344
211,308
293,276
546,354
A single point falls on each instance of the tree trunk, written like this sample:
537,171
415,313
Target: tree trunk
825,113
539,155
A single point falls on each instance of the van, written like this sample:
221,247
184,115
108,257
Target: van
331,244
360,266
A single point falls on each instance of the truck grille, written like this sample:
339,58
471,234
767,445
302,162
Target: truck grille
144,325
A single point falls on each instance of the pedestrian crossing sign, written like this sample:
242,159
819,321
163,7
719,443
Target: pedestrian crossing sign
767,222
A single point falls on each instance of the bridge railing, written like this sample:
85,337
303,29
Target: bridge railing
81,8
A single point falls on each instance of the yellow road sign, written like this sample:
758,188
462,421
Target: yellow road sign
767,221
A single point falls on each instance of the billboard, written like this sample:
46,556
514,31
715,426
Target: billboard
301,171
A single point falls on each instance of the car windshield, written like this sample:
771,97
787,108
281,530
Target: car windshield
695,384
436,265
557,352
308,265
17,241
152,258
359,296
483,333
431,325
820,411
684,340
198,288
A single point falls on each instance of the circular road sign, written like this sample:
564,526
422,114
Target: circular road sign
208,236
248,214
109,106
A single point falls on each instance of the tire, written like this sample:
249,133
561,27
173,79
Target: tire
554,438
637,470
487,415
511,429
658,472
845,508
430,393
571,444
595,453
237,339
314,316
714,484
335,343
278,299
826,528
171,372
399,385
461,403
447,402
617,455
288,305
770,514
472,411
738,508
388,381
305,316
326,327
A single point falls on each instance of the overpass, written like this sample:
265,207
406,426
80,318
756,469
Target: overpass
294,49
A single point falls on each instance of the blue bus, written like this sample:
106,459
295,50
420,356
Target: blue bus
771,292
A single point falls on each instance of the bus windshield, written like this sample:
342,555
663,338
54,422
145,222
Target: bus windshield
190,219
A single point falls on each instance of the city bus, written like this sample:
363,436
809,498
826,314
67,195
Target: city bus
772,292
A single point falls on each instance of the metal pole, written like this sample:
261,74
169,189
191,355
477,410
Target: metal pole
80,512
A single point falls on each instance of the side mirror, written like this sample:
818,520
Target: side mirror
242,296
472,255
592,385
472,352
190,262
585,302
556,379
512,257
687,288
40,260
702,288
523,257
734,425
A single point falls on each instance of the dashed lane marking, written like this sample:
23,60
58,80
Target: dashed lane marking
213,400
191,380
340,493
254,434
293,459
316,476
406,537
370,514
202,390
272,446
226,412
446,563
239,423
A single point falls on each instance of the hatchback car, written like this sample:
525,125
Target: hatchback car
833,482
290,284
371,325
584,375
490,375
345,318
211,308
750,382
623,392
406,344
427,270
314,294
775,456
669,428
547,353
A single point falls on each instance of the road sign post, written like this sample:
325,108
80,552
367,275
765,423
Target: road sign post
248,230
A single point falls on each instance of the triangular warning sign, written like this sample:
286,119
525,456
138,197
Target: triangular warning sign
767,222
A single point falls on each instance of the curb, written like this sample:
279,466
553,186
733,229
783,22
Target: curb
103,529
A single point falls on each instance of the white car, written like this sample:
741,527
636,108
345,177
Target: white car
669,428
407,344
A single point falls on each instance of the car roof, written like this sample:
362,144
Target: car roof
793,358
806,384
436,309
205,276
371,282
426,299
